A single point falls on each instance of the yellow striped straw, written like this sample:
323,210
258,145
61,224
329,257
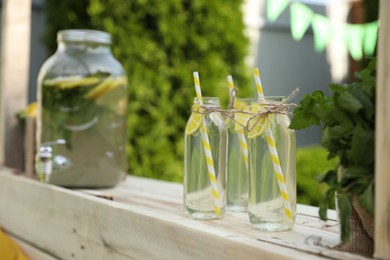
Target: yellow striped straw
240,133
274,153
259,87
207,149
197,87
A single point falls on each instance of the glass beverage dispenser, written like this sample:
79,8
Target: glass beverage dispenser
82,113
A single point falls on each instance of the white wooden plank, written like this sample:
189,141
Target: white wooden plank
145,221
15,57
382,148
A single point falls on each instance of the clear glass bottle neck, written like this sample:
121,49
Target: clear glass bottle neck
83,46
84,40
209,101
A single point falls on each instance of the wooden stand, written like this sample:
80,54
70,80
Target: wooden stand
382,145
143,219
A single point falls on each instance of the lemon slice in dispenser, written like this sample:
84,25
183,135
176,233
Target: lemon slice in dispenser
102,88
71,82
194,121
259,123
105,86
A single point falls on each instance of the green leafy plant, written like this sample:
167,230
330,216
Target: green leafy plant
347,121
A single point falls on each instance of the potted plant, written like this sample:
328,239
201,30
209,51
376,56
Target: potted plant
347,123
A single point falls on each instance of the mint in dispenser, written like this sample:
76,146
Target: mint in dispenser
82,101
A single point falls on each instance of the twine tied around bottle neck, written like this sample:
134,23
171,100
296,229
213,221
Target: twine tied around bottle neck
271,107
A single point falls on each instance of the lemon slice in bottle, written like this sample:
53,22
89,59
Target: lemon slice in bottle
194,121
240,118
257,124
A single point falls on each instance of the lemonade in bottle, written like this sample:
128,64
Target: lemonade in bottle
199,197
238,157
272,206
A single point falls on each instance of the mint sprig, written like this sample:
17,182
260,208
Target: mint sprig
347,123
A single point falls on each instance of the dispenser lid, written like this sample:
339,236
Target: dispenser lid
81,35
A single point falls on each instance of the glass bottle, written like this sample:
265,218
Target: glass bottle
238,164
265,205
82,110
199,202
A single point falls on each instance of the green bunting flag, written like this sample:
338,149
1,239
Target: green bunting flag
359,39
322,30
370,37
275,8
300,19
354,34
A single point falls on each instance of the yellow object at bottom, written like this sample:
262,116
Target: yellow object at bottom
9,250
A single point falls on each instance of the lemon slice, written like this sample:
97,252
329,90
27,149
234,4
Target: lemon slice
102,88
105,86
31,109
240,118
257,124
119,82
194,121
71,82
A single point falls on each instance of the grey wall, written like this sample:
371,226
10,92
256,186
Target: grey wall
38,52
286,64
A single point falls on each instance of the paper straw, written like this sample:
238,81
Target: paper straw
207,149
274,154
244,148
240,133
197,87
259,88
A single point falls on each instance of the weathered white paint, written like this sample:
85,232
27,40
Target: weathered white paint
382,149
14,75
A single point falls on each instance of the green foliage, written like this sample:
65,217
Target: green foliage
64,15
160,44
348,132
311,162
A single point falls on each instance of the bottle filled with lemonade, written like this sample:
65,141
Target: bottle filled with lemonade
205,194
272,170
82,112
238,157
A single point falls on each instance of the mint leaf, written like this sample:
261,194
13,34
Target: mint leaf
305,113
355,172
367,79
342,118
329,194
363,146
347,102
368,106
345,207
366,200
330,178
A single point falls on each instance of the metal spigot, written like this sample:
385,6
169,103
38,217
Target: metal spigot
45,159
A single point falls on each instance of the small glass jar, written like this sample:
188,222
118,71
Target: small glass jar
82,112
238,159
266,206
199,202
